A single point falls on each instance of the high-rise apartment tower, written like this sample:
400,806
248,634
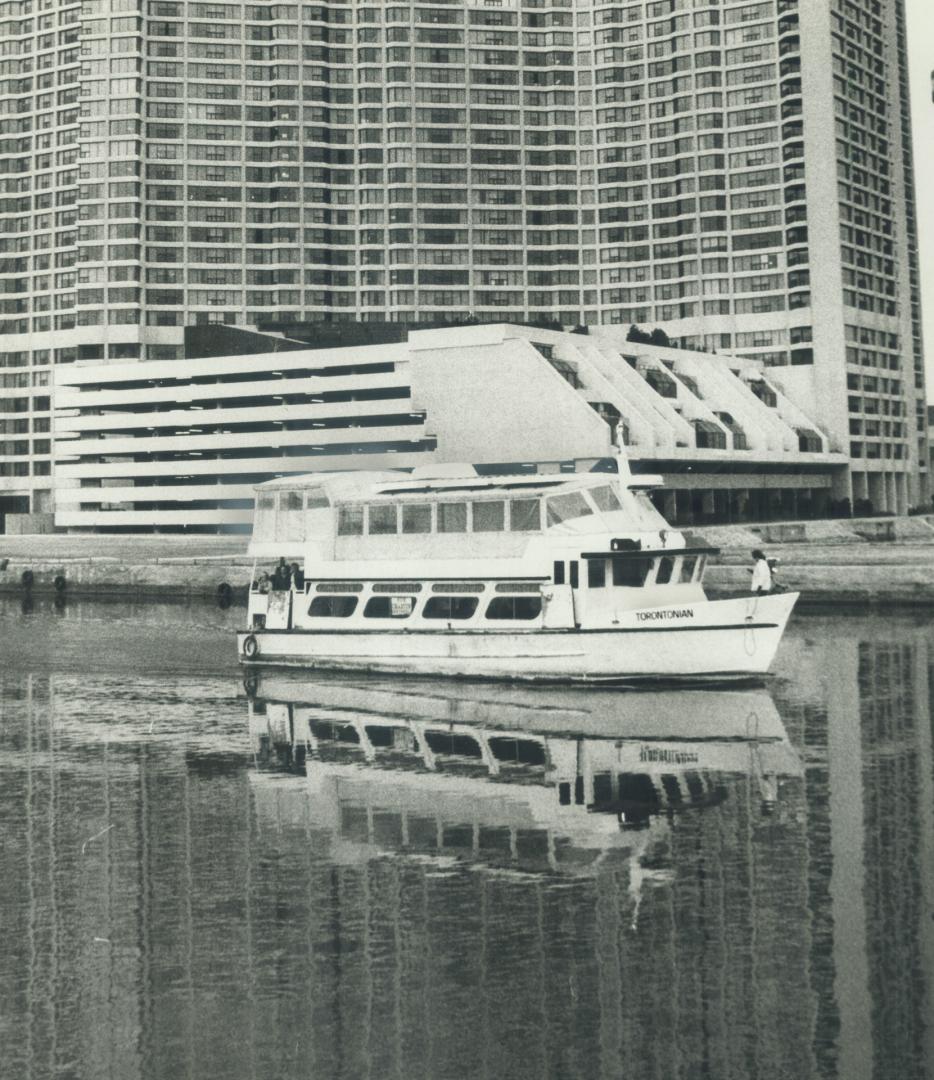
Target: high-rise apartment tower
736,171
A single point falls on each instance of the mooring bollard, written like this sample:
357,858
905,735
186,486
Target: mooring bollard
26,579
60,583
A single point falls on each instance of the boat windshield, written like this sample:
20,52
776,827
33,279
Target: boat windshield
565,507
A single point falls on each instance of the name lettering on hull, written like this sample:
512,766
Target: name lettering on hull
673,613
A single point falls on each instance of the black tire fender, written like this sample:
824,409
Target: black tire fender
250,646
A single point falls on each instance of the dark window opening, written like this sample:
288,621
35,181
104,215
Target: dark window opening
665,567
630,573
596,573
450,607
389,607
334,607
514,607
559,573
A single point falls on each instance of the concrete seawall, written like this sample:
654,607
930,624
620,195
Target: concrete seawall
836,569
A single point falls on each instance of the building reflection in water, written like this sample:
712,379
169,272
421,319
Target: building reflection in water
455,882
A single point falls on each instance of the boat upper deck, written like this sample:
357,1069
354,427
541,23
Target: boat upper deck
456,515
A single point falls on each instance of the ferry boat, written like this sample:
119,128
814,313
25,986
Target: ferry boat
555,577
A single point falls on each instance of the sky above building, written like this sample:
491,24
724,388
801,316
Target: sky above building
920,16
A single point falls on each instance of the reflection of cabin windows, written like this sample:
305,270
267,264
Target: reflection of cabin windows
564,507
450,607
489,516
416,518
520,751
452,517
665,567
389,607
333,607
605,498
630,573
350,521
514,607
525,515
383,520
596,573
687,567
452,742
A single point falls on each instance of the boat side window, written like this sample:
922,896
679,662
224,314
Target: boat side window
559,572
525,515
666,565
575,580
452,517
605,498
489,516
564,507
389,607
688,563
416,518
383,520
350,521
333,607
596,573
630,573
450,607
514,607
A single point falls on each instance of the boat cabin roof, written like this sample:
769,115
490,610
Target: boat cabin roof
451,479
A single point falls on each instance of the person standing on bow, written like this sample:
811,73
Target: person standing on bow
761,573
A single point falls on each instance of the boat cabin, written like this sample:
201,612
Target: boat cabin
424,551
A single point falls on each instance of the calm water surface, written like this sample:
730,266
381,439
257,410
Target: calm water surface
343,878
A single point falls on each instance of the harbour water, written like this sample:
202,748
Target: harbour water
352,879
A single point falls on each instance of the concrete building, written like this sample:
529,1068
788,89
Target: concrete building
168,445
739,173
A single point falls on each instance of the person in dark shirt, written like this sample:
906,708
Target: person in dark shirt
281,576
298,578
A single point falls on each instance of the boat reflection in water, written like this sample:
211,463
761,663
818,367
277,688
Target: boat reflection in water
523,778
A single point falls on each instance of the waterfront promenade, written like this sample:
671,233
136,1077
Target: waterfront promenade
832,562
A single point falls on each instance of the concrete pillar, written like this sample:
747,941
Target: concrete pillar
901,492
876,488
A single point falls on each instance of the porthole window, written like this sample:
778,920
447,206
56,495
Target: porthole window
450,607
514,607
333,607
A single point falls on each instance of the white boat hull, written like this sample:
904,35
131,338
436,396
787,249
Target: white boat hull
713,640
